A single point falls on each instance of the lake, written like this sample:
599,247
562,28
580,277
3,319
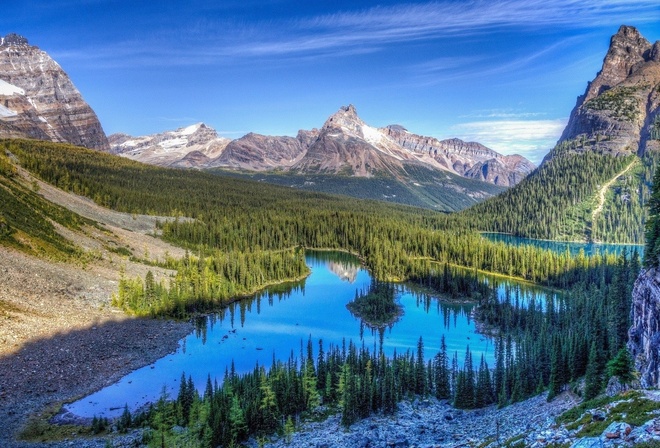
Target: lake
279,322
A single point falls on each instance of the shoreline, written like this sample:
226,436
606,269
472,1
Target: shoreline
596,243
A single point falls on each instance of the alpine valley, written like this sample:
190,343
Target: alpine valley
164,290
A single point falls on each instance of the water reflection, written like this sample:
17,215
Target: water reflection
276,323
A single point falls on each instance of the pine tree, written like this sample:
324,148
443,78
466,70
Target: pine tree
420,370
441,372
592,381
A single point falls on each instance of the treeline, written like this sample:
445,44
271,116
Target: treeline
204,283
348,379
576,334
235,216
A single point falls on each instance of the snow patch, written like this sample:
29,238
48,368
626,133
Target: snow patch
10,89
5,112
371,135
189,129
173,143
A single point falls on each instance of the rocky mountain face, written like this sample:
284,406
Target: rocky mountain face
644,334
618,113
38,100
344,145
187,147
256,152
468,159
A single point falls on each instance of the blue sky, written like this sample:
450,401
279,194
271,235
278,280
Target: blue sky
504,73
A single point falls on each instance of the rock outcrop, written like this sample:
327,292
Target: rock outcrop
38,100
618,113
644,334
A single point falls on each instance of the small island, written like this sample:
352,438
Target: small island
376,306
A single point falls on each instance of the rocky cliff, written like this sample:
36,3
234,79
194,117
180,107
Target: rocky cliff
38,100
644,334
618,113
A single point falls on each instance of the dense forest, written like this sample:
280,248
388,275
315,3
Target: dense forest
240,219
558,201
242,236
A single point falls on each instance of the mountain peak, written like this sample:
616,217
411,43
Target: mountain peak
40,101
13,39
628,49
617,113
346,118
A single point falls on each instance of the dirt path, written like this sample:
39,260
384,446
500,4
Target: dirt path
603,190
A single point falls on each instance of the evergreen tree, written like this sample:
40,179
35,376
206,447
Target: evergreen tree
593,383
441,372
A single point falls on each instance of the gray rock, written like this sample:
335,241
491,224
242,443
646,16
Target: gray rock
588,442
644,334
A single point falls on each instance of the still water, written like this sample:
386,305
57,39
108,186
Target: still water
277,324
562,246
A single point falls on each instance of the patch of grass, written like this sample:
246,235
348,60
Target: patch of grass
119,250
649,444
574,413
619,102
38,428
514,441
630,407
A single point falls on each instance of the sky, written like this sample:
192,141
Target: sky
505,73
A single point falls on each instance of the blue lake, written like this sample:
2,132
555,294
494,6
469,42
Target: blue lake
277,323
274,325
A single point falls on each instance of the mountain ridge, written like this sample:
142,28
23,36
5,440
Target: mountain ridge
38,100
346,145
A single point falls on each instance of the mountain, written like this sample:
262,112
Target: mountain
344,145
594,184
618,113
345,156
38,100
191,146
468,159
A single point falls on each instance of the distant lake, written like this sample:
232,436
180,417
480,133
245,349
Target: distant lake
562,247
279,322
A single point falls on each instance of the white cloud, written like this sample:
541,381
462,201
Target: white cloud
530,138
205,40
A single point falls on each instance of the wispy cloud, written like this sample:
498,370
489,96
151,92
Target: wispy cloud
530,138
502,113
364,30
